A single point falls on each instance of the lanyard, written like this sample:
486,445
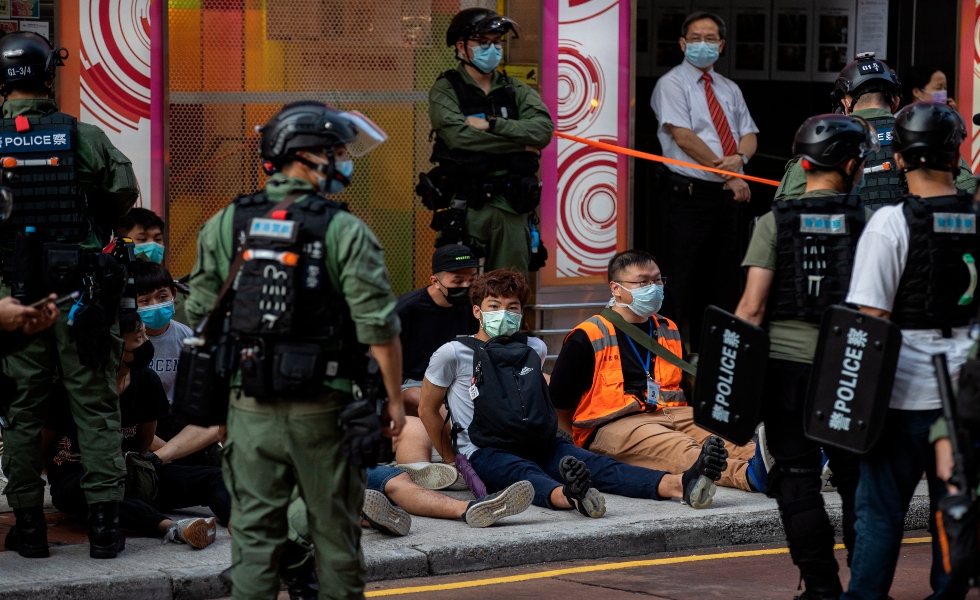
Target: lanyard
637,352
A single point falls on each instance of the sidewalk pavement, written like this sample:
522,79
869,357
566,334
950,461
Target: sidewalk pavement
151,571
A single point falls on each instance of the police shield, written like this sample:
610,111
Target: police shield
731,373
852,378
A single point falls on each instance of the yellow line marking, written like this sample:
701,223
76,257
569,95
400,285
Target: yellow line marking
615,566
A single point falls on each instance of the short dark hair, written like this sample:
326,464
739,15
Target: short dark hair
129,322
703,14
627,259
500,283
150,277
917,76
145,218
878,98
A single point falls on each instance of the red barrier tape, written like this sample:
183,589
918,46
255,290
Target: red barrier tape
662,159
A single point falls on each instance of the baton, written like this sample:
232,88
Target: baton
958,477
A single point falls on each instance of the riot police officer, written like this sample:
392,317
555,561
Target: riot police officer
796,269
915,264
489,132
51,244
870,89
310,289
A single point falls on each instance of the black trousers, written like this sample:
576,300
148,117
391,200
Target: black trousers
180,487
700,258
795,480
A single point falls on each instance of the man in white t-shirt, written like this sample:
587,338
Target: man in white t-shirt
564,476
914,265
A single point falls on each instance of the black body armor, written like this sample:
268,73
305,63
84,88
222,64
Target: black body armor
293,329
469,174
815,243
883,187
38,164
937,286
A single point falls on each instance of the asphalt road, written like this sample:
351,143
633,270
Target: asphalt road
759,572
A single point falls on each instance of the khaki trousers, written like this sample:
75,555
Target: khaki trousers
668,440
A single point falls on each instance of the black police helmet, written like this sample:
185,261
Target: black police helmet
26,56
829,141
302,125
472,22
928,134
866,74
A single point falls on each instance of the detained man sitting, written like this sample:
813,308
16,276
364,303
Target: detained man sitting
504,423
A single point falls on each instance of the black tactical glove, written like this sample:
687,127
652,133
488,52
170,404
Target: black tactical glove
713,459
364,444
152,458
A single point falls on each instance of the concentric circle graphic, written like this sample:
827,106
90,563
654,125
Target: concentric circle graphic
587,209
581,87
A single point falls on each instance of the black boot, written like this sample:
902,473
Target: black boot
29,536
104,538
297,567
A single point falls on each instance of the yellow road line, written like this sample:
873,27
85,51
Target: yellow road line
615,566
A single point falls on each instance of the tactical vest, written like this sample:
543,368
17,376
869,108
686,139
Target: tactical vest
38,165
883,187
469,164
284,304
815,243
937,286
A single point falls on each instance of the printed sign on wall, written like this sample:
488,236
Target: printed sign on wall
586,85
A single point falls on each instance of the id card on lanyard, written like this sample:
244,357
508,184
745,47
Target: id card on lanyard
653,388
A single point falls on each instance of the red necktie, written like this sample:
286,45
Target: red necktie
719,119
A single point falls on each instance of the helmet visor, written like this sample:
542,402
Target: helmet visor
871,144
369,135
497,24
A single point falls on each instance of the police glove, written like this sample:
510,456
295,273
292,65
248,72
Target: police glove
713,459
364,444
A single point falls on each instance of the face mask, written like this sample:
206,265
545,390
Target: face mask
940,97
487,60
341,179
702,54
501,322
457,296
142,356
646,300
151,250
156,316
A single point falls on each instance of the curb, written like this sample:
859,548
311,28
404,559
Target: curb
635,539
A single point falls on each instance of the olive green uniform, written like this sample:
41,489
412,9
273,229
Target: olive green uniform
108,179
793,183
274,447
494,231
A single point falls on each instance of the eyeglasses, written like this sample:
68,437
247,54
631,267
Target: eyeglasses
659,281
710,39
485,44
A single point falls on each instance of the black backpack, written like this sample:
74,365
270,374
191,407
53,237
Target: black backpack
513,410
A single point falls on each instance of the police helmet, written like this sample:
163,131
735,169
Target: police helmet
302,125
928,134
866,74
828,141
472,22
26,56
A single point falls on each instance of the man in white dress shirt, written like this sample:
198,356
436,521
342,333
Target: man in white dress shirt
704,120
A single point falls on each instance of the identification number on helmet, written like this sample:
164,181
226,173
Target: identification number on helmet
36,141
26,71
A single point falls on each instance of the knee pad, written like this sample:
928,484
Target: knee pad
789,482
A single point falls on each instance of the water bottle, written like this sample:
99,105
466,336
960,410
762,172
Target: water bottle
535,238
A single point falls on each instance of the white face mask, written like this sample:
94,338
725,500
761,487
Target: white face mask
647,300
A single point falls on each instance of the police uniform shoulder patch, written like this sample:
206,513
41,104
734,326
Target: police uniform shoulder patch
823,224
956,223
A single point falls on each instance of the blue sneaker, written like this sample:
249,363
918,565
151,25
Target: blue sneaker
761,463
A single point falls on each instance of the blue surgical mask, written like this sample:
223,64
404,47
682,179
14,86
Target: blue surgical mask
151,250
156,316
486,59
501,322
702,54
857,187
647,300
333,185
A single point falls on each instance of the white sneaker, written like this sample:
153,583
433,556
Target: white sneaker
825,484
431,476
197,532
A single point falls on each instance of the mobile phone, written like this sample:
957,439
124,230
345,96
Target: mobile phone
57,301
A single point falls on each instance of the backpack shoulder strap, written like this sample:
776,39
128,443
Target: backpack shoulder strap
469,341
638,336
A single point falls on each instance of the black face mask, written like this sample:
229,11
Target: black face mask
142,356
457,296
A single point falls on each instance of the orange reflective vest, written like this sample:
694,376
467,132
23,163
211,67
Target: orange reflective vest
607,400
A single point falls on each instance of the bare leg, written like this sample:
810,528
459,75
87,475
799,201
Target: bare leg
412,445
422,502
412,396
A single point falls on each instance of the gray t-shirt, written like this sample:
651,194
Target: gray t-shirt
166,355
452,367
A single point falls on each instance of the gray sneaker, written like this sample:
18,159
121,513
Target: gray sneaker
196,532
506,503
431,476
383,515
700,492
